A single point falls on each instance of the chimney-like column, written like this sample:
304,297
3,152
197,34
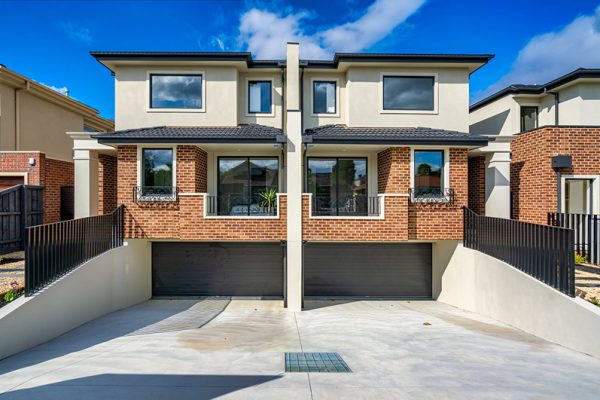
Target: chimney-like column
294,178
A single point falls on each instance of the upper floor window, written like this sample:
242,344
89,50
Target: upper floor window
529,118
324,97
182,91
259,97
408,93
428,173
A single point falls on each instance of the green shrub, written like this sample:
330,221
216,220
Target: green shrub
579,259
13,293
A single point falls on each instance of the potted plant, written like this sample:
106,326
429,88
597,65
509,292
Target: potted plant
268,199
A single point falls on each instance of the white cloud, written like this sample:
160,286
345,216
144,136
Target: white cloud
379,20
265,33
550,55
81,34
62,90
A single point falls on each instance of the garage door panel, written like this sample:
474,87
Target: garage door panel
217,269
357,269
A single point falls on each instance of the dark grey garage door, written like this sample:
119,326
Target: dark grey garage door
361,269
217,269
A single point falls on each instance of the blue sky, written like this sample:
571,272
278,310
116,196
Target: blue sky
534,40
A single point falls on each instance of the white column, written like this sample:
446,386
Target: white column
294,180
86,183
497,184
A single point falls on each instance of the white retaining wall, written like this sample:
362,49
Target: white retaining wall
116,279
477,282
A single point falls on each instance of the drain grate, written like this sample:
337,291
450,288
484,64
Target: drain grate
315,362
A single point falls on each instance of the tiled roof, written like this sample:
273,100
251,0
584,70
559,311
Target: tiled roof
391,135
252,133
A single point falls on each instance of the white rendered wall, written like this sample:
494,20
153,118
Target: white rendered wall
479,283
115,280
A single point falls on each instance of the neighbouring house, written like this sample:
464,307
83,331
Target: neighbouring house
34,146
552,132
286,178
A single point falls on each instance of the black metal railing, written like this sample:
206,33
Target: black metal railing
155,194
52,250
239,205
541,251
431,195
587,232
353,205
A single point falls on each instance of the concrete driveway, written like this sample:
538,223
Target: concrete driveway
204,349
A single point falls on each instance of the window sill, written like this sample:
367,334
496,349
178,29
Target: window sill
175,110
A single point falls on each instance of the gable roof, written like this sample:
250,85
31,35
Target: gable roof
580,73
245,133
338,134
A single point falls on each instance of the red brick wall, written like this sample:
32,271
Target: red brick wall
477,184
533,181
107,183
185,220
57,173
47,172
438,221
393,228
19,162
403,221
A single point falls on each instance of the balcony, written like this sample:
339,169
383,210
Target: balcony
353,205
428,195
155,194
243,206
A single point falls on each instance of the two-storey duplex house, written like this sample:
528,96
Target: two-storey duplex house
34,146
539,124
287,178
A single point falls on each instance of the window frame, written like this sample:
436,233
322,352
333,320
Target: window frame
337,158
335,82
151,73
140,169
274,157
434,75
271,112
537,116
445,171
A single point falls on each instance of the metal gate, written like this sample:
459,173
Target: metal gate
20,207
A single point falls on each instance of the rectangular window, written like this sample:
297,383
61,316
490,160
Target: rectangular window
157,172
429,173
324,97
176,91
338,186
408,93
247,186
529,118
259,97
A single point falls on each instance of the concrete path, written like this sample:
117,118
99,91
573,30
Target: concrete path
190,349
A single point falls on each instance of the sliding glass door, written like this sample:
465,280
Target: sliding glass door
338,186
247,186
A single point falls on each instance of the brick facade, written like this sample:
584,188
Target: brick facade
438,221
185,220
477,184
532,179
107,183
403,221
50,173
57,174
